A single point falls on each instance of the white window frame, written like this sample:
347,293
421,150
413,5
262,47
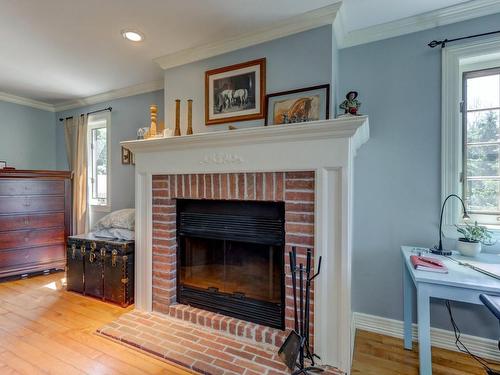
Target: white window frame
455,61
96,121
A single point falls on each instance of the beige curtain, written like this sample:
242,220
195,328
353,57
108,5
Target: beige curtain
76,149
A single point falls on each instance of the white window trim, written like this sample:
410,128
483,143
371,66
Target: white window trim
96,118
456,60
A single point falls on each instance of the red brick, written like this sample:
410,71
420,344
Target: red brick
219,354
240,353
299,240
208,186
187,185
201,186
299,218
250,365
241,186
299,207
160,177
216,181
180,359
279,189
229,366
299,185
207,369
300,228
194,186
269,186
164,193
259,186
299,175
299,196
250,178
224,186
259,352
270,363
232,186
229,342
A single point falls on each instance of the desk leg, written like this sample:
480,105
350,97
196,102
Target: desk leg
407,307
424,330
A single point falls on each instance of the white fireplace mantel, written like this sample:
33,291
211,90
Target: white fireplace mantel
327,147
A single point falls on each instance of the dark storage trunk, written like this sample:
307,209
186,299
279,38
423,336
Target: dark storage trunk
74,268
106,270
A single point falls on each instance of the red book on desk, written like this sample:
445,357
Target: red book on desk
428,264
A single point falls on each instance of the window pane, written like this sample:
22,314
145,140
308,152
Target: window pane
483,126
482,161
482,195
483,92
101,162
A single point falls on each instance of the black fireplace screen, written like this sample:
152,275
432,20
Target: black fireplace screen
231,258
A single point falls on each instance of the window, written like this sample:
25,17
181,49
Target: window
470,154
98,160
481,135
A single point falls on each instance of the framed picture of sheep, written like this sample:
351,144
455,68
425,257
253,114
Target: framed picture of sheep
301,105
235,93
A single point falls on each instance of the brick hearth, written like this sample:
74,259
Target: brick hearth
296,189
197,348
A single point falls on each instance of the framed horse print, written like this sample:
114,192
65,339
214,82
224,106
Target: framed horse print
235,93
301,105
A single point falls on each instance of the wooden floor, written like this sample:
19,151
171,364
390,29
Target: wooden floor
46,330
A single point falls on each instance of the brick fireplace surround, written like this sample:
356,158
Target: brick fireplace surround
296,189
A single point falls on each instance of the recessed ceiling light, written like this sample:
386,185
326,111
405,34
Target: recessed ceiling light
133,35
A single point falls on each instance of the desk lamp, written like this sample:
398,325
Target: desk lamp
439,249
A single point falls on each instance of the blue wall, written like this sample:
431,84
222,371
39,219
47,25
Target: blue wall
296,61
127,116
397,174
27,137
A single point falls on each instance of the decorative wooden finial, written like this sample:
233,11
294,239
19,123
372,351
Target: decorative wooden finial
190,117
177,131
154,115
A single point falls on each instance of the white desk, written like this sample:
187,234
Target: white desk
459,284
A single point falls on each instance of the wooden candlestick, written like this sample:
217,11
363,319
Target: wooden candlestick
190,117
177,117
153,109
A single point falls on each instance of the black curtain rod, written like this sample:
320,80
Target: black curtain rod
89,113
443,43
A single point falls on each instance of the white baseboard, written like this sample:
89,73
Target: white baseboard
440,338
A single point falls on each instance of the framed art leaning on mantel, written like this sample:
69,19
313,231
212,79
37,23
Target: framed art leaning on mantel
299,105
235,93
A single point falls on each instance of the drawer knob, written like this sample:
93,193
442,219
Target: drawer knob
27,203
82,250
73,251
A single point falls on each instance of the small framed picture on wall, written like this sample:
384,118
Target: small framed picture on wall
125,155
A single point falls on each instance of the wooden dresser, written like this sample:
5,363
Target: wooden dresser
35,220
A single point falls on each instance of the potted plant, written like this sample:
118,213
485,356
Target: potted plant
473,237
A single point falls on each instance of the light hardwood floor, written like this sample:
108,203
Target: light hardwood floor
44,329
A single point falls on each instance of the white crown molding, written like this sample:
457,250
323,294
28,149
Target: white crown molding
5,97
111,95
306,21
440,338
445,16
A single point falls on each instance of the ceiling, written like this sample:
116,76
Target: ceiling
59,50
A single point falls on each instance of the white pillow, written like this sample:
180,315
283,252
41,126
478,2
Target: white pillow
123,219
116,233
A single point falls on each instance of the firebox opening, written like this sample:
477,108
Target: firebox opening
231,258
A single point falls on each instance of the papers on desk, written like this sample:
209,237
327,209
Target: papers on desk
490,269
428,264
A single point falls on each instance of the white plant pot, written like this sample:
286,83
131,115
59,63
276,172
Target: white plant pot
468,249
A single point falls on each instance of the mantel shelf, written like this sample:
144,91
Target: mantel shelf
344,127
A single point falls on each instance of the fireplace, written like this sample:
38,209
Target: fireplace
231,258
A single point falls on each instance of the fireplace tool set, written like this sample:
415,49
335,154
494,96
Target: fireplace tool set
296,348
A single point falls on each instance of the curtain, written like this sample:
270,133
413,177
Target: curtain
76,148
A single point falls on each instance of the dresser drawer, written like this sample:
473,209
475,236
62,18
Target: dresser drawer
19,261
33,221
31,187
10,205
31,238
